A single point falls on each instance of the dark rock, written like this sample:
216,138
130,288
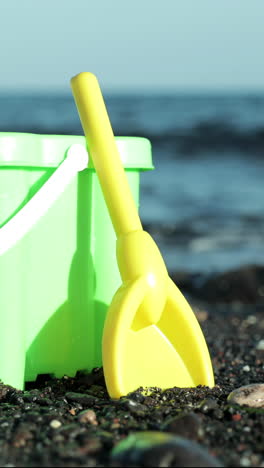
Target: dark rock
149,449
44,401
81,398
98,391
184,425
4,390
90,446
137,396
134,407
31,397
16,397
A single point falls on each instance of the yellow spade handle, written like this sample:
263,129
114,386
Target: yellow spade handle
104,153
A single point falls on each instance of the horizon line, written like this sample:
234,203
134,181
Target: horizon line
139,90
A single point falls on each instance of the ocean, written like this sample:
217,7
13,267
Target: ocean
204,202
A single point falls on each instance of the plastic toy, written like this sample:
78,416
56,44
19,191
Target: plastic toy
151,336
58,270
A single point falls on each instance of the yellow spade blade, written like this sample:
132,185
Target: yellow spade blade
171,353
151,336
138,357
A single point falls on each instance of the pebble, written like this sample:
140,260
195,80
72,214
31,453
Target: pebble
184,425
201,315
208,405
88,416
252,319
236,417
55,424
154,448
22,437
260,345
245,461
250,395
246,368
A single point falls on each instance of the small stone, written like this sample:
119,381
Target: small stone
137,396
260,345
201,315
252,320
236,417
55,424
250,395
246,368
218,413
208,405
134,407
88,416
246,429
160,449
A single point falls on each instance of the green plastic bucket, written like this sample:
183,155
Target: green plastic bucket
58,277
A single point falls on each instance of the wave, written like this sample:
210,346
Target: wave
208,136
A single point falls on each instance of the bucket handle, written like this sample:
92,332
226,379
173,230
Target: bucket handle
76,160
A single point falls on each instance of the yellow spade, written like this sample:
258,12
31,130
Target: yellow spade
151,336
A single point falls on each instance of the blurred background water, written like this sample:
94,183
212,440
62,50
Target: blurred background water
204,202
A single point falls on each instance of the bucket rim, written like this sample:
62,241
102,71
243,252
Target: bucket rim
31,150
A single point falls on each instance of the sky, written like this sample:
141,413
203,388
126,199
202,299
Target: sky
133,45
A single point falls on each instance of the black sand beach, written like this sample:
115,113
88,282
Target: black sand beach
72,421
